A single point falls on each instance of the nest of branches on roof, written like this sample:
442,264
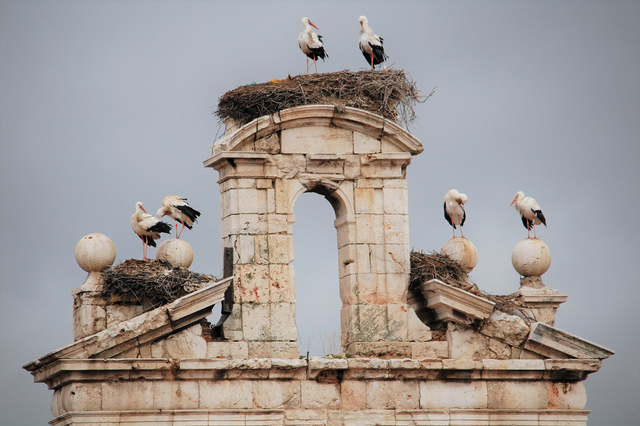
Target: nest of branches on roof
389,93
151,282
434,265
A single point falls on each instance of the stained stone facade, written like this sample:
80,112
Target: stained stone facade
439,356
358,161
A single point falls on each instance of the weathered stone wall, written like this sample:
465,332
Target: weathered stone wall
357,160
356,391
477,366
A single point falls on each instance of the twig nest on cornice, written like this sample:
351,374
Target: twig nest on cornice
95,252
531,257
391,94
462,251
176,253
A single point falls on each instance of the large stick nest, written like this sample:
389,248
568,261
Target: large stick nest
389,93
153,282
434,265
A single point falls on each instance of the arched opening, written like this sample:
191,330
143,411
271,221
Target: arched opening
316,276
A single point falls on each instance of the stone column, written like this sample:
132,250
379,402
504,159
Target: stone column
375,311
256,226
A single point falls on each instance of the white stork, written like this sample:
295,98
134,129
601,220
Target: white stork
370,44
530,212
147,227
178,208
311,44
454,209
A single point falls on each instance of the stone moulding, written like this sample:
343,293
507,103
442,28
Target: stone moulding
66,371
540,301
454,304
246,165
320,391
320,115
275,417
554,343
142,329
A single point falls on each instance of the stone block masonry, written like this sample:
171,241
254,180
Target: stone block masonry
358,161
357,391
477,366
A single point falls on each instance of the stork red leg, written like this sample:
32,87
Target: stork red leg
314,63
178,236
372,60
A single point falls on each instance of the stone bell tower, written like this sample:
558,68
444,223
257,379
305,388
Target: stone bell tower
358,161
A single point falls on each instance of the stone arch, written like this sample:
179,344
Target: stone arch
329,190
343,210
316,266
358,161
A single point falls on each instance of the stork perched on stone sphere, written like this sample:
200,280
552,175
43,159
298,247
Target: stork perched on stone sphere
178,208
530,213
454,210
311,44
370,44
147,227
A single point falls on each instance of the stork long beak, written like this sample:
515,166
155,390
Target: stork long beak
314,26
143,209
514,200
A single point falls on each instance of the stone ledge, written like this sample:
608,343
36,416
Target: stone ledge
554,343
492,417
64,371
452,304
271,417
245,165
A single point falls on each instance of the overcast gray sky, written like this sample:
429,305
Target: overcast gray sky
106,103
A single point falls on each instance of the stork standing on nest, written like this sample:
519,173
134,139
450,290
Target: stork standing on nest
370,44
530,213
178,208
311,44
454,209
147,227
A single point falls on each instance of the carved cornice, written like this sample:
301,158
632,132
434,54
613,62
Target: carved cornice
352,119
65,371
452,304
554,343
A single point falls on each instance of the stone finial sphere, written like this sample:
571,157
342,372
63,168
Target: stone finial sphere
176,253
95,252
531,257
462,251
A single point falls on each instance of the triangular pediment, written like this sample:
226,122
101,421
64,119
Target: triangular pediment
142,329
